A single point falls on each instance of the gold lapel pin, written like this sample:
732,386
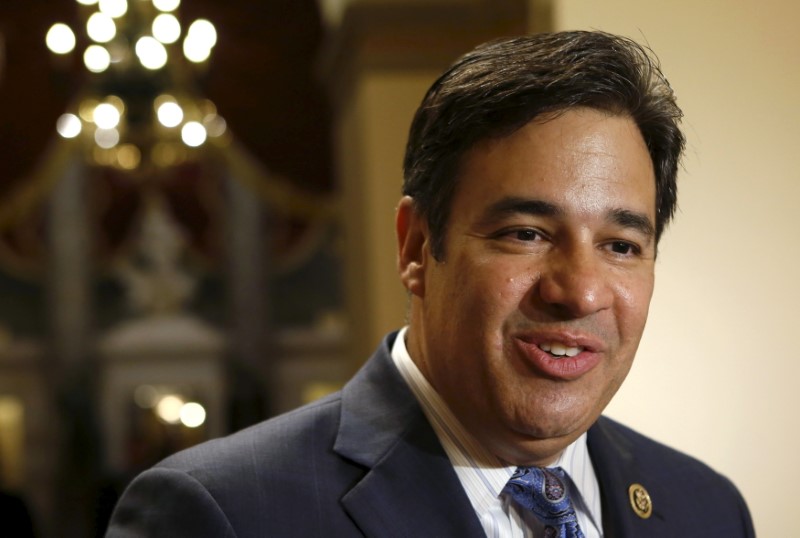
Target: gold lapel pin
640,501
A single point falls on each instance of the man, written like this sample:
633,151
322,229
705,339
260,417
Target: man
539,176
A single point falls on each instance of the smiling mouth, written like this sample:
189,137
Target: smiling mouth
559,350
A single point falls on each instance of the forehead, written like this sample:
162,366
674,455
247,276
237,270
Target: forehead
581,159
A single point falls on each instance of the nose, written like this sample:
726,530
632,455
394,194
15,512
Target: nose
575,283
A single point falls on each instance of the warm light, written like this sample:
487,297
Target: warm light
11,410
204,31
215,125
119,51
145,396
86,109
166,28
161,99
69,125
194,50
151,53
207,106
193,134
106,138
101,27
60,38
96,58
12,442
106,116
166,5
113,8
200,39
168,409
170,114
114,37
128,156
192,415
118,103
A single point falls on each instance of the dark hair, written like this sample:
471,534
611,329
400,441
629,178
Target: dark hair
501,86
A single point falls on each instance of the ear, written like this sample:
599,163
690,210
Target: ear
412,246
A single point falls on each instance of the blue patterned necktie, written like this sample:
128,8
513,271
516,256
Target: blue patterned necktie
544,492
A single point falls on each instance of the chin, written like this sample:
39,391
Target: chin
548,431
539,451
545,426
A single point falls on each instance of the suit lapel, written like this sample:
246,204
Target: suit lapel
617,469
410,487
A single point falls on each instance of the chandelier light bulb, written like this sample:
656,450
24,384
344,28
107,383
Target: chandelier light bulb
87,2
169,407
128,156
192,414
170,114
116,102
69,125
215,125
151,53
60,38
113,8
96,58
193,134
166,5
106,138
101,28
106,116
195,50
166,28
204,31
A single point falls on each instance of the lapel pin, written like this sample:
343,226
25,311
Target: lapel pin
640,501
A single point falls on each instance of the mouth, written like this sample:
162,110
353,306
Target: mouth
560,355
558,350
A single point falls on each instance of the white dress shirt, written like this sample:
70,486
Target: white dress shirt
483,475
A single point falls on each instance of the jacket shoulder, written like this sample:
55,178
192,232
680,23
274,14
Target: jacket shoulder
688,497
270,443
651,454
256,482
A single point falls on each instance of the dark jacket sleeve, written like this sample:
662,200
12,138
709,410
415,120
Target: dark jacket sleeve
168,502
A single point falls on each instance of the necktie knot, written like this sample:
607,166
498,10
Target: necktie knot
544,492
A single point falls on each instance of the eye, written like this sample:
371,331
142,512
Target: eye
624,248
525,234
519,238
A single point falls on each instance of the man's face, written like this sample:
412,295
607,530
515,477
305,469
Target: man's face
530,322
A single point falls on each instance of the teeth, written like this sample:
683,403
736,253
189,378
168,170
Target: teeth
559,350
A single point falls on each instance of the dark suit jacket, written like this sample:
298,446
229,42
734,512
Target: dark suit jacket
365,461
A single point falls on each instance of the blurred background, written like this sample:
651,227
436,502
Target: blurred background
196,227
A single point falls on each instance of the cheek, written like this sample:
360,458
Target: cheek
633,304
502,284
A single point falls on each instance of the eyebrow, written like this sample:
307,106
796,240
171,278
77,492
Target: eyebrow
633,220
513,205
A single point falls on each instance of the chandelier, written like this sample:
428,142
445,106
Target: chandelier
140,107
